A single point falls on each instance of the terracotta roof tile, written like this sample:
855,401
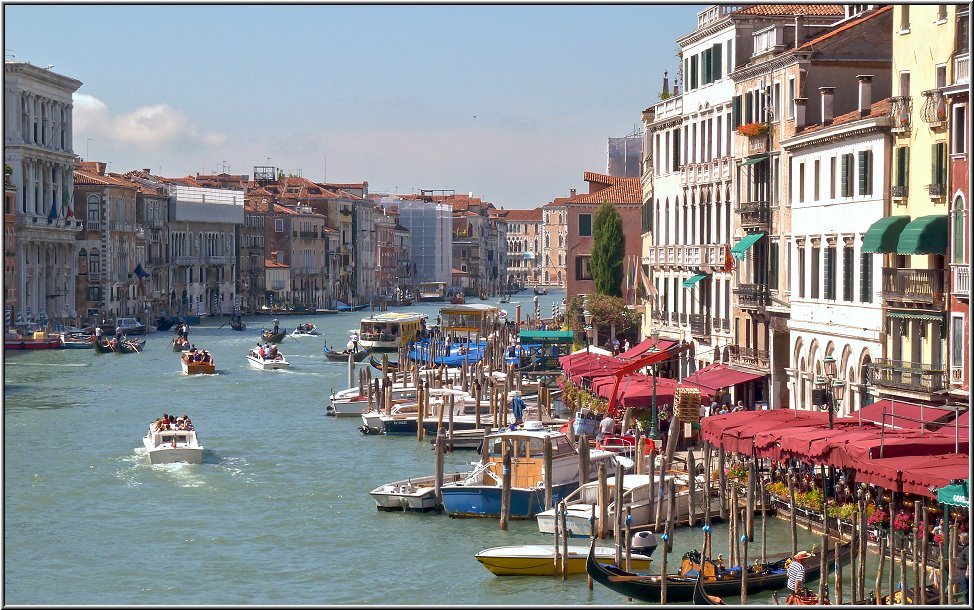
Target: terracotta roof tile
524,215
878,109
618,190
557,202
273,264
816,10
845,27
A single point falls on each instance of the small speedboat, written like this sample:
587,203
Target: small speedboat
267,363
539,560
305,330
77,341
199,367
168,446
416,494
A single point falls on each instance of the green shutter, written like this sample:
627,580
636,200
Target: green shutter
863,172
847,273
906,166
748,102
866,277
686,75
829,283
773,266
676,148
845,176
737,111
694,62
717,61
939,172
705,67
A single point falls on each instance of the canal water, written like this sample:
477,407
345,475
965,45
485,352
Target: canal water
278,513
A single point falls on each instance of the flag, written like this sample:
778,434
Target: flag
140,272
53,213
66,205
728,259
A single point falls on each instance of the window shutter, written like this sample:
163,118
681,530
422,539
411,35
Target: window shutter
845,175
694,61
847,287
829,283
578,267
863,172
676,148
906,166
748,101
773,266
717,61
737,111
865,277
686,75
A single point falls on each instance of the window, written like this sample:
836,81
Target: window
847,272
832,178
801,182
94,212
686,74
905,84
730,56
829,284
583,268
847,170
958,130
676,148
693,71
737,111
278,225
715,53
865,277
773,266
791,97
865,172
815,181
816,267
585,225
959,231
902,173
801,271
957,339
904,18
94,262
938,169
941,13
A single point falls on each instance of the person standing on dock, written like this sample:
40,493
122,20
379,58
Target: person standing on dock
606,427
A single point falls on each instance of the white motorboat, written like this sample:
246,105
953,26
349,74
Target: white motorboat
351,402
637,495
305,330
415,494
169,446
267,363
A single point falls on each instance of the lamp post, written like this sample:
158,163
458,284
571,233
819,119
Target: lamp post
654,414
832,389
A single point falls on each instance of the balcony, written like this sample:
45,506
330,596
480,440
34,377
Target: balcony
277,285
937,190
750,357
962,69
934,110
901,113
753,295
924,286
308,234
699,326
683,319
914,376
960,284
899,190
155,223
754,214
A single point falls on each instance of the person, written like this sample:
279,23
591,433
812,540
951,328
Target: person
517,406
723,410
740,407
98,332
626,346
606,427
355,341
118,331
962,569
714,406
615,346
796,573
704,410
260,351
277,328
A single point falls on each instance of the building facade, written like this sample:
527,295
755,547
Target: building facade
555,233
524,239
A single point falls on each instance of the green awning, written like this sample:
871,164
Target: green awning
688,283
754,160
915,315
925,235
882,236
741,247
957,494
538,336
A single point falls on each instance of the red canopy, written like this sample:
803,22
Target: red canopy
915,474
644,346
798,443
730,429
848,449
898,411
718,376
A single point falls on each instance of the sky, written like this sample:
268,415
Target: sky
510,102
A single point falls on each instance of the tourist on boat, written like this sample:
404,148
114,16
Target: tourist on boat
260,351
273,351
355,341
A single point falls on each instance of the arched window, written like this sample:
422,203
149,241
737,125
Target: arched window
94,261
959,233
94,212
83,262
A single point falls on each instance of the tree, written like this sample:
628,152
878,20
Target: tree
608,248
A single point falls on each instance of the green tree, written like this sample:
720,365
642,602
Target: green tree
608,247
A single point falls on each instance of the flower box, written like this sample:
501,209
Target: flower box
753,129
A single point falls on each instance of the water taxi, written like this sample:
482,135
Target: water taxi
266,362
168,446
432,291
387,332
539,560
352,403
468,319
197,363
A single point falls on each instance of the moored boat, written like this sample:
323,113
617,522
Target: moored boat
387,332
198,363
169,446
77,341
416,494
33,338
539,560
266,363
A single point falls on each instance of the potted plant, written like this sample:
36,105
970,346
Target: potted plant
752,129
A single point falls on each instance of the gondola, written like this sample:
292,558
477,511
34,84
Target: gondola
179,344
701,597
377,364
343,356
681,588
163,324
931,597
272,337
129,346
238,325
458,299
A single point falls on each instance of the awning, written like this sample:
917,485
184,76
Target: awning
925,235
741,247
688,283
719,376
754,160
897,413
883,235
644,346
914,314
958,494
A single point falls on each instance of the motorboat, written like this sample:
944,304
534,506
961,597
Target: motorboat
200,367
415,494
539,560
77,341
305,330
387,332
32,337
479,495
169,446
129,326
266,363
637,497
431,291
351,402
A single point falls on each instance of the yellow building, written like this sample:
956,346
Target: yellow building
912,240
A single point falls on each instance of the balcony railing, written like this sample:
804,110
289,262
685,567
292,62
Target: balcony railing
683,319
699,325
960,284
155,223
937,190
726,325
901,113
753,295
962,69
913,285
915,376
934,109
754,214
308,234
749,356
185,260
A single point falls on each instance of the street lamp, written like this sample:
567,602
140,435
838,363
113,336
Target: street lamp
654,414
831,389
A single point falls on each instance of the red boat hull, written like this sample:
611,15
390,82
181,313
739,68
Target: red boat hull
54,343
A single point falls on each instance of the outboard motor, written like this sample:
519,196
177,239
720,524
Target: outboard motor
644,543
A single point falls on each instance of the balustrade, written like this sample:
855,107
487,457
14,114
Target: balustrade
916,376
914,285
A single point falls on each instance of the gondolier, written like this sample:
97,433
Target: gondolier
796,573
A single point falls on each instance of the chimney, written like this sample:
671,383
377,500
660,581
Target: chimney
827,93
676,89
865,93
146,170
571,193
800,113
799,30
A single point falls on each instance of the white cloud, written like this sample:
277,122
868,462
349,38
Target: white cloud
150,127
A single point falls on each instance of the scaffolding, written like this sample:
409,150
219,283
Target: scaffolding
430,227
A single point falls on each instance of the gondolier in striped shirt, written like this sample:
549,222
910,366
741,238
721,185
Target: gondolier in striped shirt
796,573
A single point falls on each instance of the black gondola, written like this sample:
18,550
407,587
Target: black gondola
272,337
165,323
773,575
238,325
343,356
701,597
377,364
127,346
179,344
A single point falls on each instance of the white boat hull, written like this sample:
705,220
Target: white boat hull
347,408
168,455
171,446
417,494
266,364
